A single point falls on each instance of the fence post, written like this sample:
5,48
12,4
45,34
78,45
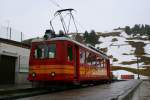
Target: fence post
10,34
21,36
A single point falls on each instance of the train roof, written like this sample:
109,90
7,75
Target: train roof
89,47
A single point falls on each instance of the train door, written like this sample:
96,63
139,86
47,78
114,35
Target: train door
72,57
75,62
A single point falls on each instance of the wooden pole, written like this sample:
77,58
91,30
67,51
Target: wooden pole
138,67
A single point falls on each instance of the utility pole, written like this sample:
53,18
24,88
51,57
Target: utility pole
138,67
7,29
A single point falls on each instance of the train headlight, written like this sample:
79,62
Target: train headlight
53,74
33,74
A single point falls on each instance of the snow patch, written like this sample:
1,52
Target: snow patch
147,49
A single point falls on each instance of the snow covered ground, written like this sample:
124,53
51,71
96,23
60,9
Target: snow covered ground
147,50
120,49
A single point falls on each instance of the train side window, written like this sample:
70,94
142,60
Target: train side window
88,58
82,56
102,63
51,51
70,53
94,60
98,62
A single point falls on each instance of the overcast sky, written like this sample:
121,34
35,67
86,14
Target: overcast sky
32,16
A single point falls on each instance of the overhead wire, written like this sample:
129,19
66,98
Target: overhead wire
76,22
55,3
79,24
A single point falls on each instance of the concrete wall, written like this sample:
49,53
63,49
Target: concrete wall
22,55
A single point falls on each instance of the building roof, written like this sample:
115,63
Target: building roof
15,43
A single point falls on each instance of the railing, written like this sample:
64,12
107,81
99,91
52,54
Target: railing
12,34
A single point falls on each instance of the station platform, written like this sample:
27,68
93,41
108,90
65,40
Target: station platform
15,87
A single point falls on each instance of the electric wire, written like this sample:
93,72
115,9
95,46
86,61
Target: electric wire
79,24
55,3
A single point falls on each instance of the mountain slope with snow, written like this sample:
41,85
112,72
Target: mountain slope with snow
124,49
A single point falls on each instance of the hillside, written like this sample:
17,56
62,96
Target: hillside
124,49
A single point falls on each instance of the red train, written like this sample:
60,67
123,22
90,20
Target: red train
127,77
61,59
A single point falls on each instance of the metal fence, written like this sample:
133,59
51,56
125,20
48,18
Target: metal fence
11,33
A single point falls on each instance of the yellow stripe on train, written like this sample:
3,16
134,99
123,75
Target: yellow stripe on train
52,67
60,69
66,69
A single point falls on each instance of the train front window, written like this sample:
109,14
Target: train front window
51,50
39,51
45,51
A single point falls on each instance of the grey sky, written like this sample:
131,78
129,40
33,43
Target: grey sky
32,16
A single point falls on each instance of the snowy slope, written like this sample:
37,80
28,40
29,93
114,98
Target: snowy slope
120,49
